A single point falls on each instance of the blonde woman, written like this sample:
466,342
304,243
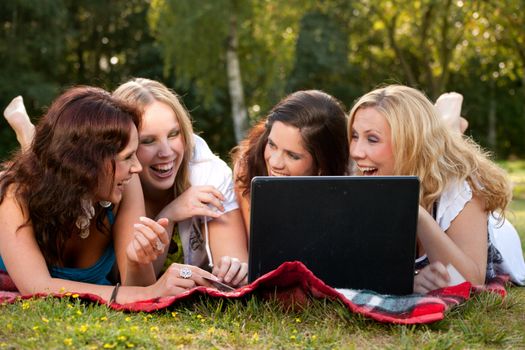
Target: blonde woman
396,130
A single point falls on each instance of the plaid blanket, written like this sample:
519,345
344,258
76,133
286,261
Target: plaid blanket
293,282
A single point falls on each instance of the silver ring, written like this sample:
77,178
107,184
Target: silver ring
185,273
159,245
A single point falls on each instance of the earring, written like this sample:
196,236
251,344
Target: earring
83,220
105,204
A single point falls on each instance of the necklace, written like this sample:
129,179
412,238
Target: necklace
83,220
88,212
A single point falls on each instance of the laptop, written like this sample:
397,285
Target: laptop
354,232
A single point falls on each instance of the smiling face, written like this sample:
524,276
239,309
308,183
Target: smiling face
161,147
126,164
284,153
371,144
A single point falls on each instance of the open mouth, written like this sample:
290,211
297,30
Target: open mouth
367,171
163,170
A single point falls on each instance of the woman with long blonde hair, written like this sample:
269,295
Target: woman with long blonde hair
396,130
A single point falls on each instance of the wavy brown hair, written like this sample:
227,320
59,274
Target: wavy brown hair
321,120
81,133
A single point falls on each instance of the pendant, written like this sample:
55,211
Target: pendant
83,221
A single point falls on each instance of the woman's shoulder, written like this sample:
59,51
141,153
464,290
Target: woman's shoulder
201,151
452,201
12,194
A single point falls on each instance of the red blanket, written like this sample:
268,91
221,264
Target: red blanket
293,282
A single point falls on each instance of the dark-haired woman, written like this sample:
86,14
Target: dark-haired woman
69,206
303,135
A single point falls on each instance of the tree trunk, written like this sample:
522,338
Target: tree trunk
523,89
235,87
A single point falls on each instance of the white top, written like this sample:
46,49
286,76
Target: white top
205,169
505,253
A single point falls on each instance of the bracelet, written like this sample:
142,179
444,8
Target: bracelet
113,296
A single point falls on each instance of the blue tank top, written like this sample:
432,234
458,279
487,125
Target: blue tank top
96,274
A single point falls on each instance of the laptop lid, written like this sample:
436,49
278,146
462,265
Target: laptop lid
351,231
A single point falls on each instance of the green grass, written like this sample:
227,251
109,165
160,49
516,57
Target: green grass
485,321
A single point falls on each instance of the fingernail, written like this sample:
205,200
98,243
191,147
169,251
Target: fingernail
142,218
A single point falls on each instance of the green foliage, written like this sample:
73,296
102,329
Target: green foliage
50,45
345,48
321,59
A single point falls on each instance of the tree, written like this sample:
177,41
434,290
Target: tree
201,43
321,59
53,44
422,37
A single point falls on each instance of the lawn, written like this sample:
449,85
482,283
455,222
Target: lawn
486,321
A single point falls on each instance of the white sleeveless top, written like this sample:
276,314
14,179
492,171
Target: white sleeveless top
505,255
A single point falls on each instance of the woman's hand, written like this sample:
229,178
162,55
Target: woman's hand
149,241
231,271
431,277
179,278
196,201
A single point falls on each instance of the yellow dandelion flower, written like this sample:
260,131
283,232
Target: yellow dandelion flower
70,306
134,328
68,294
298,320
199,316
75,295
255,337
121,338
174,313
127,319
79,312
83,328
211,330
103,318
109,346
35,328
25,305
68,342
314,337
130,345
153,329
45,320
292,337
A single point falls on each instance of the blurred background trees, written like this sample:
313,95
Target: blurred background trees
238,58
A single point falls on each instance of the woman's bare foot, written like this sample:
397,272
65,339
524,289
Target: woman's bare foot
16,115
448,106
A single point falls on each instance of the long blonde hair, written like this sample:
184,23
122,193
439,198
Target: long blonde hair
423,146
143,92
